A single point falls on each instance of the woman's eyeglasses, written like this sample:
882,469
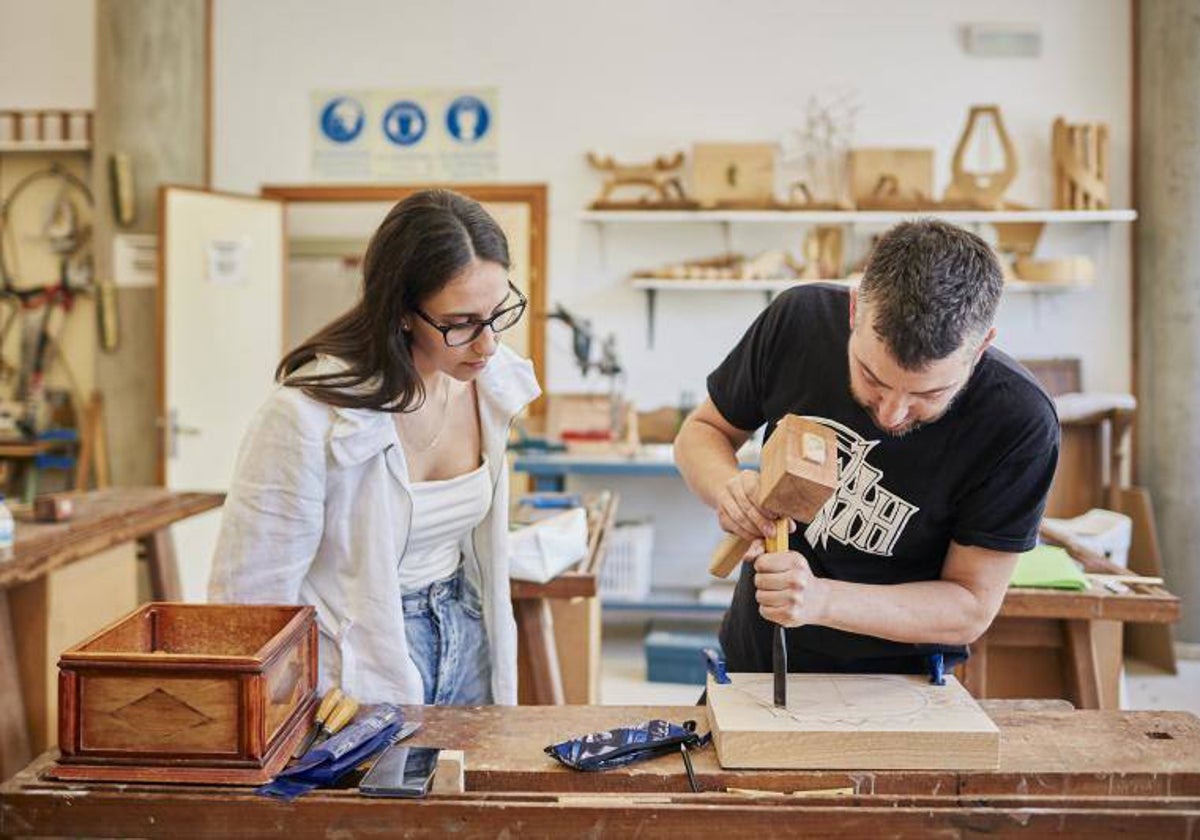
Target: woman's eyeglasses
456,335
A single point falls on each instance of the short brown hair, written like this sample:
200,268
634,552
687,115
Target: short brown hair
930,286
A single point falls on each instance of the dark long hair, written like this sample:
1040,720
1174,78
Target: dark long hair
425,241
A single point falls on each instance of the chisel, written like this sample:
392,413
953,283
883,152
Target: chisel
779,543
328,702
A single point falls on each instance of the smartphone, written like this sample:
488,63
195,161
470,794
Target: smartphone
401,771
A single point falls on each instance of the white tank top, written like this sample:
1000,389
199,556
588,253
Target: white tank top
444,512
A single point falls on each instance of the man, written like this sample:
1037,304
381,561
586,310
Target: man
946,449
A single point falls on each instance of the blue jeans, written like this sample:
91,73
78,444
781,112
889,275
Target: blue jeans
447,640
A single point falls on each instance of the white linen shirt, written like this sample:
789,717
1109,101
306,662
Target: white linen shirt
313,516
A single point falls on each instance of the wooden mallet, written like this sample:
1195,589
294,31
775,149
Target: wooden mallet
799,472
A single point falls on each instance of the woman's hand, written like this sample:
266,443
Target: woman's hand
738,512
787,591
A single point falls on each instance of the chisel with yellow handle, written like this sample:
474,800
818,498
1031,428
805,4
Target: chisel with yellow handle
342,714
328,702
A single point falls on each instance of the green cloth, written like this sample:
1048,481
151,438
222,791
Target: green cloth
1048,567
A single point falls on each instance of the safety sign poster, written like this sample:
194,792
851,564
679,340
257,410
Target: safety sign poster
427,134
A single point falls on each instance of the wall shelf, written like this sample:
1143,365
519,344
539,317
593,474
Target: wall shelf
854,217
770,287
45,131
44,146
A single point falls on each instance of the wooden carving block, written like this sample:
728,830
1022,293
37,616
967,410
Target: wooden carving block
850,722
734,174
203,693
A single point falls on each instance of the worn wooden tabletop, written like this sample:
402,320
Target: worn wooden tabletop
102,519
1061,772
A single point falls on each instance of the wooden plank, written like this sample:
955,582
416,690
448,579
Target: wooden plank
1151,643
577,638
567,585
159,547
535,625
1151,604
975,669
850,721
471,815
102,519
1083,658
1048,754
55,612
15,751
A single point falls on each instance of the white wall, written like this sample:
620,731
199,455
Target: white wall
47,53
637,79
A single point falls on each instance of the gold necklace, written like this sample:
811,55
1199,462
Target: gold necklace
437,435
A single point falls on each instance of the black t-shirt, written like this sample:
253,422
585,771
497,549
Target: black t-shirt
978,475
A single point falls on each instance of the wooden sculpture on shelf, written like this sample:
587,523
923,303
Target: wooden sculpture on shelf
734,175
891,179
661,177
1081,165
974,189
769,265
823,253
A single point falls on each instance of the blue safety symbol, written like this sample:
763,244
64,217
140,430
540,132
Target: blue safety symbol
404,122
342,119
468,119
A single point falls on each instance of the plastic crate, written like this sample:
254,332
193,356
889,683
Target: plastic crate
678,657
625,573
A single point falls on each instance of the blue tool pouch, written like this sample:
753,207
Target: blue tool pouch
617,747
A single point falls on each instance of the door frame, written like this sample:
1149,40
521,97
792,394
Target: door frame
162,422
535,196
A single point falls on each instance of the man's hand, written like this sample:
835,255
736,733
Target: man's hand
737,511
788,593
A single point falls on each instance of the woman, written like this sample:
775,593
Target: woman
372,484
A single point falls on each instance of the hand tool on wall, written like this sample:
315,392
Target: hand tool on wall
799,472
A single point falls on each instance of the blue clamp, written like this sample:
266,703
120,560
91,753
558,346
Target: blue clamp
716,665
937,669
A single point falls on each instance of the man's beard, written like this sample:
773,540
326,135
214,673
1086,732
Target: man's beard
907,428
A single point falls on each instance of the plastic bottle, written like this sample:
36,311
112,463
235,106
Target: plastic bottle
7,530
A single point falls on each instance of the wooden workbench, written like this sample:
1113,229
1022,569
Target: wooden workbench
1061,772
1061,643
558,622
103,519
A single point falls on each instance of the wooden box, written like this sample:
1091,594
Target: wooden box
202,693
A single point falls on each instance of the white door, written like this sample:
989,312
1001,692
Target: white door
220,335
